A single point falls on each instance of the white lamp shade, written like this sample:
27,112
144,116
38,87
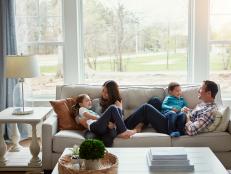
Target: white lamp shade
21,66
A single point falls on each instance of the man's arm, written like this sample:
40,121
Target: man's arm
204,119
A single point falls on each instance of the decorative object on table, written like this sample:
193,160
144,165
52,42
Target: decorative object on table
169,159
21,67
90,150
75,152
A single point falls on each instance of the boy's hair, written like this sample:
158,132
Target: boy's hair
212,87
172,85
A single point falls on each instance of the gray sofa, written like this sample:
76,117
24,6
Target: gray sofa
54,141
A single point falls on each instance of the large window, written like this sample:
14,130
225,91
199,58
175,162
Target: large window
220,44
135,41
131,41
39,32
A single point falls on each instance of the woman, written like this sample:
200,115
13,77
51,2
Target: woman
100,124
110,98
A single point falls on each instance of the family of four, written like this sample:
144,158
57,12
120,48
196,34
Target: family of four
103,118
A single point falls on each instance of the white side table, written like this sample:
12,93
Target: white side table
39,114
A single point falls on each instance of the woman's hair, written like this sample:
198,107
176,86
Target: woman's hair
113,94
172,85
78,100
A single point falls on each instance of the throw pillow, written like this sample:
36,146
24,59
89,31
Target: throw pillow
225,111
217,120
63,109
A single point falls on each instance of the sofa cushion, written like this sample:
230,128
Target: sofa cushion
190,94
67,138
134,97
144,139
217,141
75,90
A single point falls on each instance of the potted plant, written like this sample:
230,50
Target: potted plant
75,152
91,151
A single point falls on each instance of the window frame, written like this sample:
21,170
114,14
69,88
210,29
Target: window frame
42,43
197,41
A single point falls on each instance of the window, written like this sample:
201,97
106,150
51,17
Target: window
39,32
220,44
142,42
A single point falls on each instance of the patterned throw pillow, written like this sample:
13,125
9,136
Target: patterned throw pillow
217,120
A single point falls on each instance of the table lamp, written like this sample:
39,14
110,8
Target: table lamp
20,67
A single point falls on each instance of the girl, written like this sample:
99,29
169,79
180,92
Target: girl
111,118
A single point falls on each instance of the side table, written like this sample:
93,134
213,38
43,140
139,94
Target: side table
39,114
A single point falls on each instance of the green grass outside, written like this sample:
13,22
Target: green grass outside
177,61
149,63
48,69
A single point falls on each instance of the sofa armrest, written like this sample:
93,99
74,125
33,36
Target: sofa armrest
49,129
229,126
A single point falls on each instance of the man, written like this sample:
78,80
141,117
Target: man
202,115
197,119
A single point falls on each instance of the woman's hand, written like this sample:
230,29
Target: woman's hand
119,104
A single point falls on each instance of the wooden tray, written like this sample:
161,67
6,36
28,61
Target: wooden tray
109,166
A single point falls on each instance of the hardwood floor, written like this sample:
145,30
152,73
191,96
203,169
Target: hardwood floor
24,143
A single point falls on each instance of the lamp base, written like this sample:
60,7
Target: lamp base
20,111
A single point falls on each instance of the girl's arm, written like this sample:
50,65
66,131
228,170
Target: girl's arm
83,122
86,116
90,116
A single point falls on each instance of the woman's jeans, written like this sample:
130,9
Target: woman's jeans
112,114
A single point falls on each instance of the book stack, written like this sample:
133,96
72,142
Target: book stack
169,159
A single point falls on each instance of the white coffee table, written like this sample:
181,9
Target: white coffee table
133,161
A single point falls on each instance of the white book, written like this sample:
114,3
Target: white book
168,153
170,167
167,161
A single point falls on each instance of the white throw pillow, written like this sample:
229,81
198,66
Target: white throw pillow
225,111
217,120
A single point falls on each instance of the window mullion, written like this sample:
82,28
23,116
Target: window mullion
72,56
201,59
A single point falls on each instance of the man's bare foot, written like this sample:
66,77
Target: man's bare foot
127,134
139,127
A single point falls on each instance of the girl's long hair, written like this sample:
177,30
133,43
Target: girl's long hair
79,100
113,94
